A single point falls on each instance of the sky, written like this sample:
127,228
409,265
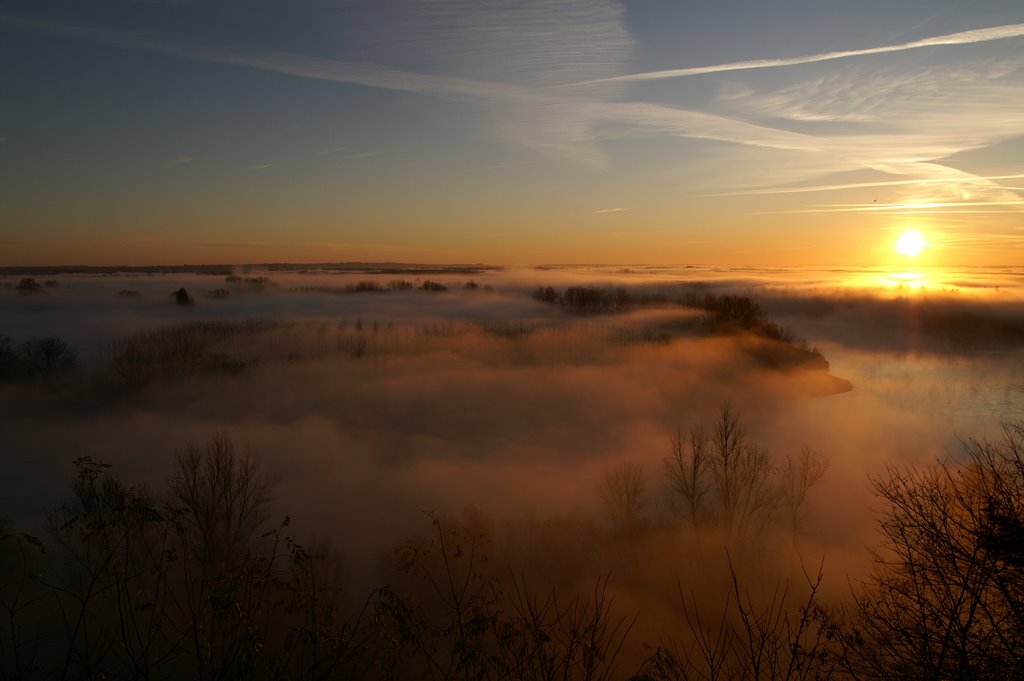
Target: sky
511,132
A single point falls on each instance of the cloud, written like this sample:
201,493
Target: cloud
181,160
974,179
549,76
702,125
332,150
305,66
979,35
506,53
906,208
903,121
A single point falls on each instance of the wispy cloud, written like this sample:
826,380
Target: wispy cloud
258,166
975,179
911,208
511,59
502,55
180,160
979,35
607,210
909,121
304,66
702,125
364,154
332,150
481,169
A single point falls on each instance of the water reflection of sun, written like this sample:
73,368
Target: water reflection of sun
895,280
913,281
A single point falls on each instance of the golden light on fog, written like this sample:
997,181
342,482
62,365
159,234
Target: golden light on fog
911,243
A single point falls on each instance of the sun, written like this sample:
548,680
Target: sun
911,243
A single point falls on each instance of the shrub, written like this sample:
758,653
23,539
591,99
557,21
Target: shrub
429,285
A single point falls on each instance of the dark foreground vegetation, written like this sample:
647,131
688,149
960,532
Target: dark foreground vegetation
193,579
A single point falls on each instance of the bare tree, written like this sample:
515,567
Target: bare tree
740,471
720,476
624,492
687,470
221,496
783,638
797,477
21,593
47,354
551,639
946,598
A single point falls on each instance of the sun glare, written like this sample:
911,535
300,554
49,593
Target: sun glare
910,243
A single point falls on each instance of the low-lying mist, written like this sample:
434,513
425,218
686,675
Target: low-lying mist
372,402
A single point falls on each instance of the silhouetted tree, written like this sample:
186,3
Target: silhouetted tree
47,355
716,475
11,364
22,639
741,473
182,297
465,625
797,477
946,599
588,300
365,287
222,496
687,470
546,294
28,285
783,638
624,492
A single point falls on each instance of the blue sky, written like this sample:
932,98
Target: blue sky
518,132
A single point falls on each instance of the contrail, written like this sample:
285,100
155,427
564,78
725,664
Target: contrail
978,35
973,179
303,66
